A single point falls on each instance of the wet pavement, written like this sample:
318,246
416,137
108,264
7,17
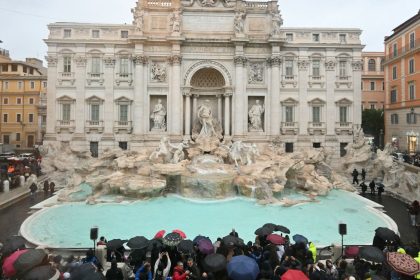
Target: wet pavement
12,217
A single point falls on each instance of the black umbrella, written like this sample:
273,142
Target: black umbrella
42,273
155,244
270,225
214,263
198,238
386,234
185,246
138,242
29,260
263,231
12,244
82,271
114,244
282,229
172,239
372,254
230,240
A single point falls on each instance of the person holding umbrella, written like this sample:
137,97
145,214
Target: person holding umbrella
160,271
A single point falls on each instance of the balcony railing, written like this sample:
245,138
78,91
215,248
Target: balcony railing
317,128
344,127
409,47
289,77
289,127
93,125
124,78
66,75
123,126
68,125
95,78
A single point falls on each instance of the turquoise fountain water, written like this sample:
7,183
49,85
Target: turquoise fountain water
67,225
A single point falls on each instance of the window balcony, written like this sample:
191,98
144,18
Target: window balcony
66,78
289,80
94,126
124,78
65,125
123,127
289,128
343,80
343,128
95,79
317,128
318,80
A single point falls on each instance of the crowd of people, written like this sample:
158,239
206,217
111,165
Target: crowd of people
271,256
373,186
14,168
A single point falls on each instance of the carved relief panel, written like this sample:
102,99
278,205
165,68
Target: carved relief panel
158,72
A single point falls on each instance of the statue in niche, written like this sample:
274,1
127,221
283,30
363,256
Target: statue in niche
206,131
175,21
255,114
158,116
255,73
238,23
158,73
138,19
276,23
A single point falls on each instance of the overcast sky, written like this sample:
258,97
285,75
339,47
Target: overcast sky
23,22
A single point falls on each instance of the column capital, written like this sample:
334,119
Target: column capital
195,95
303,64
51,60
275,60
80,61
140,59
175,59
186,92
330,64
109,61
357,65
240,60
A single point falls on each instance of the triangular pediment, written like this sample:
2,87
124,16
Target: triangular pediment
344,101
94,99
65,98
316,101
290,101
123,99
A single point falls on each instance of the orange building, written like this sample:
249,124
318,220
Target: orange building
373,87
402,83
23,87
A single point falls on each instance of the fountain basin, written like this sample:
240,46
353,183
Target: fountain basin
67,225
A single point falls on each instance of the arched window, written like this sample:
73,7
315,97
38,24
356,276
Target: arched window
372,65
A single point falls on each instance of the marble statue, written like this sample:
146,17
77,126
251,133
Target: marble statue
138,19
158,116
255,73
158,73
168,152
238,23
245,153
255,116
207,131
175,21
276,23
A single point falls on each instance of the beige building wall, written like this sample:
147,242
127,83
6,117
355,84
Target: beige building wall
22,87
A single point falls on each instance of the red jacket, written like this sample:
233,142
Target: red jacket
179,274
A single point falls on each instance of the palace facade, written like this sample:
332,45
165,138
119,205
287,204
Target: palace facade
129,85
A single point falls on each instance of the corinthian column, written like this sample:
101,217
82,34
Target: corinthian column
239,120
139,106
176,96
187,117
275,62
227,96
